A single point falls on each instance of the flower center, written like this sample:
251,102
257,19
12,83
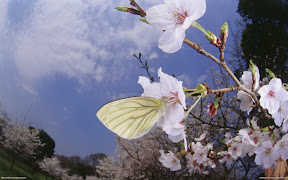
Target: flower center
271,94
180,17
174,161
267,152
173,98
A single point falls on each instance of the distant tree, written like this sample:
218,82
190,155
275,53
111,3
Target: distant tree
91,178
4,120
82,170
44,151
20,140
75,159
53,167
73,177
264,38
139,159
77,166
66,162
93,159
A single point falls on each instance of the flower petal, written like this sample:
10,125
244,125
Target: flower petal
173,114
167,83
150,89
160,17
144,81
172,40
196,8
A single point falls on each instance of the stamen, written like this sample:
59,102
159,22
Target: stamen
173,98
271,94
180,17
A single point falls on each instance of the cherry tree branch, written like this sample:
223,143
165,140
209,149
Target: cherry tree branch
221,62
142,12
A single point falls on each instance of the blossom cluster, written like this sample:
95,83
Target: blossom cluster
266,144
269,143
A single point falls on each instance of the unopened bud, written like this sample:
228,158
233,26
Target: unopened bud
224,30
266,129
202,88
213,39
253,68
122,8
144,20
128,9
270,73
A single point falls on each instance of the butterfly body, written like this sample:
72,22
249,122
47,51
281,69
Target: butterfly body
131,117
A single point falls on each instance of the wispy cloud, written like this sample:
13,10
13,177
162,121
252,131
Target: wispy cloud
74,38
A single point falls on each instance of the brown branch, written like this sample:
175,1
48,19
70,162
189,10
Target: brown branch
234,88
211,124
200,50
221,62
222,47
142,12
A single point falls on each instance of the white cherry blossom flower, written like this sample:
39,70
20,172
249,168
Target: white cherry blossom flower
247,101
171,90
170,161
175,16
272,94
192,164
200,155
228,158
202,137
236,149
285,124
282,147
266,155
228,138
247,148
247,78
281,114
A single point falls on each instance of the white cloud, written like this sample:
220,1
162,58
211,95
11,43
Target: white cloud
153,56
187,82
202,78
78,39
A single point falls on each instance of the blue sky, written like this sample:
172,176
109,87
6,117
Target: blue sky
61,60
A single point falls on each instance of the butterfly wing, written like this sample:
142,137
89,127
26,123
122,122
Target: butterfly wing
131,117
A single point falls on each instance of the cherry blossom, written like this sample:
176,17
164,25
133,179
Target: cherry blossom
250,82
285,124
281,114
170,161
202,137
247,78
175,16
247,101
227,157
282,147
200,155
171,90
236,149
266,155
272,94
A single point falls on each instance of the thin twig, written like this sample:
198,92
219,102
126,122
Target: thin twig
142,12
200,50
234,88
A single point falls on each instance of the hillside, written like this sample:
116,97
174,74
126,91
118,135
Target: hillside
20,169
